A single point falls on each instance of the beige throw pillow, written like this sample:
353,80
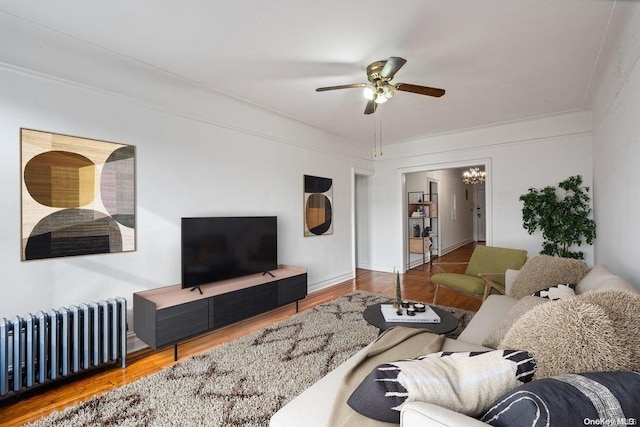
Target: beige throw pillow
623,308
543,271
569,336
599,278
502,327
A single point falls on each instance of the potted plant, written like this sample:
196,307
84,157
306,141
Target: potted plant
562,215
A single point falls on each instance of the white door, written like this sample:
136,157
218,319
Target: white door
361,222
480,215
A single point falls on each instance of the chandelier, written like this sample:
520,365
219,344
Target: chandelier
474,176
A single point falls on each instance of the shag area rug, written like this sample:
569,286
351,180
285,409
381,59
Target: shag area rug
244,382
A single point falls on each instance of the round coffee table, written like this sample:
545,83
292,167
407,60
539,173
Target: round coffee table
448,321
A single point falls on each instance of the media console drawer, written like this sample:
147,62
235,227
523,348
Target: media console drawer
181,321
235,306
292,289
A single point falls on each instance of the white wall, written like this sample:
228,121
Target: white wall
616,107
190,162
456,228
533,153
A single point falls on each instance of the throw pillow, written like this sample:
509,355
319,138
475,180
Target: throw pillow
569,336
557,292
602,399
543,271
599,278
497,334
466,382
623,308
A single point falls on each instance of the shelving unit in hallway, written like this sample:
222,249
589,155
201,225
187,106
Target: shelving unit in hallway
422,211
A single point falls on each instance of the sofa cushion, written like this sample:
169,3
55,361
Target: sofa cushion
422,414
556,292
571,399
600,277
459,345
498,332
492,310
569,336
466,382
543,271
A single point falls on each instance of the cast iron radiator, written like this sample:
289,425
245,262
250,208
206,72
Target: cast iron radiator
40,348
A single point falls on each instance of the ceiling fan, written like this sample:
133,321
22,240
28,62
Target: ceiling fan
380,89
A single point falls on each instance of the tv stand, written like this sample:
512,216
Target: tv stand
198,288
166,316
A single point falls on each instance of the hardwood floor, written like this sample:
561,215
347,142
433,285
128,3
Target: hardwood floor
415,286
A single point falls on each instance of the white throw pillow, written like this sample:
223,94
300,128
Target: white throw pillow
557,292
465,382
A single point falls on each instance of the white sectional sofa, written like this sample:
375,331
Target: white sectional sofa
313,407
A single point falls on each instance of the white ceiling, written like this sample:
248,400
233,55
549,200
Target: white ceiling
499,60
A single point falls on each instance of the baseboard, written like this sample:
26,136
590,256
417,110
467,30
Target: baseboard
364,266
458,245
384,268
330,282
417,263
134,343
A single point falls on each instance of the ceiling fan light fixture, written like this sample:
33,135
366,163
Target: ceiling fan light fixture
381,98
379,88
389,91
369,92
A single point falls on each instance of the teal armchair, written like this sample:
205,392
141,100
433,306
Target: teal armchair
485,272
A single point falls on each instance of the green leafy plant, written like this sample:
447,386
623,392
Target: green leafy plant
562,216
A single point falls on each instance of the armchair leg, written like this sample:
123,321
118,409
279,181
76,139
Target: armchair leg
435,293
488,285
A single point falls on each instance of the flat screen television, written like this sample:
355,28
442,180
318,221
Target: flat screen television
220,248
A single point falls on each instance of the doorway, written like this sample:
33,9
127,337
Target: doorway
360,219
460,222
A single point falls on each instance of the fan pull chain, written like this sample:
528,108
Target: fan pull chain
380,133
375,151
377,136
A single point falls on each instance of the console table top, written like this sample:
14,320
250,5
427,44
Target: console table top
168,296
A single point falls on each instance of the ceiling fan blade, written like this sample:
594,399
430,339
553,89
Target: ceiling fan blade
422,90
350,86
391,67
371,107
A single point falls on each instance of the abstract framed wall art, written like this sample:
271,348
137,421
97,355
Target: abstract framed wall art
78,196
318,206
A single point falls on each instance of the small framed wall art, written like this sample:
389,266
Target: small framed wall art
78,196
318,206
